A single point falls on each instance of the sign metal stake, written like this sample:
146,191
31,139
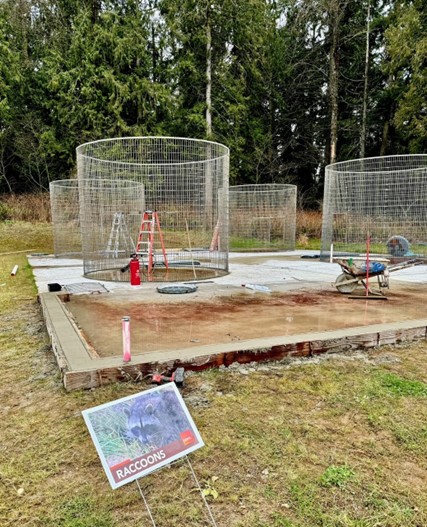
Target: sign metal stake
145,503
211,518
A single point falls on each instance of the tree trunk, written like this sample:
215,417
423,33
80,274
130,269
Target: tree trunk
208,78
209,206
387,124
384,141
333,80
365,88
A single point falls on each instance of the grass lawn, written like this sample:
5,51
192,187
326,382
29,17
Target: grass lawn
339,441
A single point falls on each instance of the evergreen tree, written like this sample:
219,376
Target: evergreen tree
407,71
10,79
288,85
299,107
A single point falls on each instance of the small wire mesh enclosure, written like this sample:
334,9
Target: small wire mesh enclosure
186,187
110,215
382,199
65,212
262,217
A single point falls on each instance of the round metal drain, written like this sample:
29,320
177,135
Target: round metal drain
177,289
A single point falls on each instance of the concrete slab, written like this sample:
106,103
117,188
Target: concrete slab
260,268
83,367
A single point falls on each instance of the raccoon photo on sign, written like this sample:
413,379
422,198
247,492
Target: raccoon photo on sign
155,420
142,432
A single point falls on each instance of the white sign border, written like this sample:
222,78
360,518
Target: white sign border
107,469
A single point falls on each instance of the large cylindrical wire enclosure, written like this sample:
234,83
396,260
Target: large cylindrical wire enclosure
110,216
65,213
186,199
381,200
262,217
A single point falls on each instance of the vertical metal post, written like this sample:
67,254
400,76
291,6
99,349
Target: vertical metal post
126,339
368,248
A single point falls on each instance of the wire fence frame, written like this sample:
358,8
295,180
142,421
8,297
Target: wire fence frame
110,216
65,213
262,217
380,196
186,183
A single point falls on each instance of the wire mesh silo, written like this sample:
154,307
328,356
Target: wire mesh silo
262,217
110,215
383,198
186,184
65,211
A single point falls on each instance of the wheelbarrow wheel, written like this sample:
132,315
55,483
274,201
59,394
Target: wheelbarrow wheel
344,285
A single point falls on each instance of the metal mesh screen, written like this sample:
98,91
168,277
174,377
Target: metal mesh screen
110,214
383,198
262,217
186,184
64,202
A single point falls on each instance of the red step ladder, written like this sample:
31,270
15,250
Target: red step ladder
145,245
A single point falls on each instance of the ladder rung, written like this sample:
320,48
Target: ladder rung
145,247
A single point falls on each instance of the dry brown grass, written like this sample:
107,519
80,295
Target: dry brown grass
25,207
303,241
36,208
309,223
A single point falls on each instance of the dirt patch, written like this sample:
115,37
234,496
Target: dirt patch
166,322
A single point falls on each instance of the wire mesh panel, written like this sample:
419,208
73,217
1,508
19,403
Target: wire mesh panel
64,202
383,198
110,215
186,184
262,217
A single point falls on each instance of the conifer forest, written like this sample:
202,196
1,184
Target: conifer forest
289,86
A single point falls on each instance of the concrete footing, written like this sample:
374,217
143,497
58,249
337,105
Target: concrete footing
81,368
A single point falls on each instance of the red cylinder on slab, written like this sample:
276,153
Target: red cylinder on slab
135,278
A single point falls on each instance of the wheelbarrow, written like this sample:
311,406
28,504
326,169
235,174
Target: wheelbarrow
354,273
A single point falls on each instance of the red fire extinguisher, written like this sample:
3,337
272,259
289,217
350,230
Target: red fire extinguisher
135,278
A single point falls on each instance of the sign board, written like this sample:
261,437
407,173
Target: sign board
138,434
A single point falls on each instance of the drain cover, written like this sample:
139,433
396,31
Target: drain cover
85,287
177,289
